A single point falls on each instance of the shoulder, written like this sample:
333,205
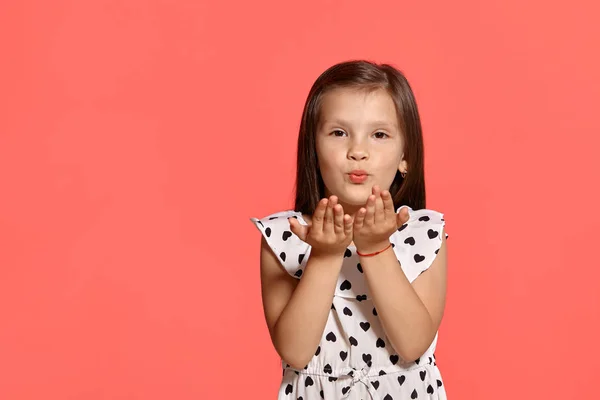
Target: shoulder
289,250
421,220
417,242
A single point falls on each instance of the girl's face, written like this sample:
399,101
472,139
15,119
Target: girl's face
358,130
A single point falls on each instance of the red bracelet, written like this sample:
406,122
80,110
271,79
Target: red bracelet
373,254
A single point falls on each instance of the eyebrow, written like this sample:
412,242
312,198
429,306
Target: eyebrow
372,123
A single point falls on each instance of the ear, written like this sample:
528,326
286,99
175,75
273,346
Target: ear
403,166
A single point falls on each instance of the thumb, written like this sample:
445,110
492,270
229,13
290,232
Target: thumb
401,217
297,228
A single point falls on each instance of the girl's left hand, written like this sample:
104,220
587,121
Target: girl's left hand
376,222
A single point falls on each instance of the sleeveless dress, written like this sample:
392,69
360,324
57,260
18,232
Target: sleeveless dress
354,359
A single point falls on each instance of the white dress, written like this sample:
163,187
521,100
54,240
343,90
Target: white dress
354,359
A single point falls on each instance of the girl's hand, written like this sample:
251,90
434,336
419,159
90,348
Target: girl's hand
330,231
376,222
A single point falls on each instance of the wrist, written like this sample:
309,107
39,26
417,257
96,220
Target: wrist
373,248
325,263
326,256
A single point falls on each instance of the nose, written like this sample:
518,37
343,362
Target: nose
358,152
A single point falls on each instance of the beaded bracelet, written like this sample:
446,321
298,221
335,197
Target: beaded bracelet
373,254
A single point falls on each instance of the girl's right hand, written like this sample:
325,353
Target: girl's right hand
330,231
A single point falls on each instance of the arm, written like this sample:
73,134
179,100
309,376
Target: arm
296,311
410,314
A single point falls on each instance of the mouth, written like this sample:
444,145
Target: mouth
358,176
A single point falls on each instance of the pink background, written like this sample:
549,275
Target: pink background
138,137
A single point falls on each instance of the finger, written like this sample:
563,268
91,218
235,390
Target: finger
338,219
359,219
388,204
370,215
379,214
402,217
298,229
319,215
347,225
328,221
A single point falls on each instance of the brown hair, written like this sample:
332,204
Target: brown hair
364,75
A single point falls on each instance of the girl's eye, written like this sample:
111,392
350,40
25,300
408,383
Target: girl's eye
380,135
338,133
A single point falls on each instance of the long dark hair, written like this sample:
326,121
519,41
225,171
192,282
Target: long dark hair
366,75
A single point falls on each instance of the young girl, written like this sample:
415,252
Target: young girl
354,279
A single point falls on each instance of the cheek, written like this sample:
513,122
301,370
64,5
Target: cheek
329,156
390,160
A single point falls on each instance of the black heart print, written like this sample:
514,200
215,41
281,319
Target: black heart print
432,234
298,273
410,240
353,341
439,383
268,232
347,311
289,389
382,372
365,326
402,227
401,379
318,351
380,343
347,253
388,397
414,394
394,359
423,374
375,384
429,389
286,235
300,258
282,256
424,218
308,382
346,285
345,389
359,268
327,369
361,297
331,337
343,355
374,312
367,358
419,258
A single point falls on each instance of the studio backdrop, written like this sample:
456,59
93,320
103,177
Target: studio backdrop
137,138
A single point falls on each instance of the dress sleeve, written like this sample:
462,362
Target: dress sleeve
291,252
418,241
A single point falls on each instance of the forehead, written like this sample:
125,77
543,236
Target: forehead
351,104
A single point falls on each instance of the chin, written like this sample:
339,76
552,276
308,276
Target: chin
356,197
